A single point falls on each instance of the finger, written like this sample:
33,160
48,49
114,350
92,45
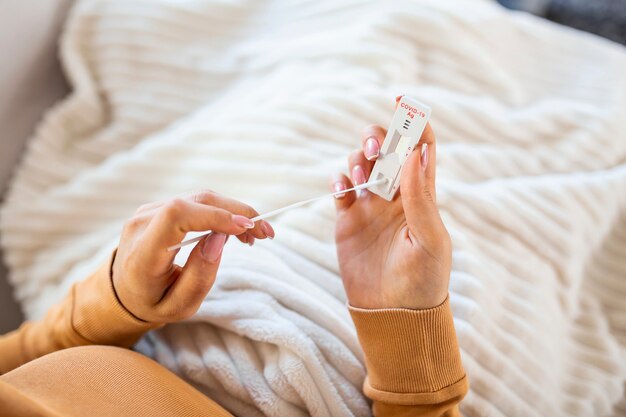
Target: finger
359,167
196,278
243,238
246,238
136,225
398,98
343,201
171,223
418,189
372,139
262,228
430,158
150,207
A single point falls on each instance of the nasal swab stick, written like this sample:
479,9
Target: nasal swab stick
283,209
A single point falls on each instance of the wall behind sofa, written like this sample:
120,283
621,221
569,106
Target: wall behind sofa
30,82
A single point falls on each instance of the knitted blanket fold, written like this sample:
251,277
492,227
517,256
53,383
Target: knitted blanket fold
262,101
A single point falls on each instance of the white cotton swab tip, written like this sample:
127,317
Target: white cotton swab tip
283,209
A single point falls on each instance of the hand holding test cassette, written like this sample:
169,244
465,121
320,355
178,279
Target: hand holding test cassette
394,251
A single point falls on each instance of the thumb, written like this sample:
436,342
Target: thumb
417,187
195,279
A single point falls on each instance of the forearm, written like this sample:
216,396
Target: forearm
35,339
413,361
89,314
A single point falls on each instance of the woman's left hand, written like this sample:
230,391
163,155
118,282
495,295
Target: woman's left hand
398,253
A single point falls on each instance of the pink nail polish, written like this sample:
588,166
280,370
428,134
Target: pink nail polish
243,221
358,175
339,186
424,157
267,229
372,149
213,246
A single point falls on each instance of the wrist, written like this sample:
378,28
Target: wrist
413,297
424,299
100,317
118,289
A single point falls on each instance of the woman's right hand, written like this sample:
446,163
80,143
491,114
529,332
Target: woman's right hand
146,280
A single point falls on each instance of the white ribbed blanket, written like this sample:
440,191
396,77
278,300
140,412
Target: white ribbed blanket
262,100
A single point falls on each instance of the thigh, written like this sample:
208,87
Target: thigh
108,381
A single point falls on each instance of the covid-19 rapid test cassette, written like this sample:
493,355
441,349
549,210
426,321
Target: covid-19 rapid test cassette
403,135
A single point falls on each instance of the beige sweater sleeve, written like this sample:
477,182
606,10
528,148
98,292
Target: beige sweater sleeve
413,361
90,314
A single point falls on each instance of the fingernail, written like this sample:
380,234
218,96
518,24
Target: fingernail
243,221
424,156
339,186
251,241
358,175
267,229
213,246
372,150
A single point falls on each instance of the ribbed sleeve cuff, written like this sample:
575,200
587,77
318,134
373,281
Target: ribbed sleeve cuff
410,353
99,317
